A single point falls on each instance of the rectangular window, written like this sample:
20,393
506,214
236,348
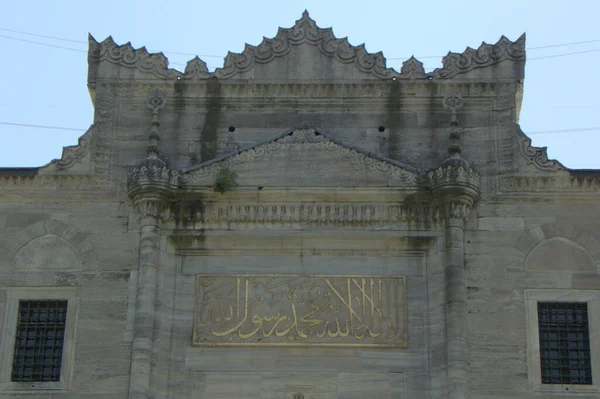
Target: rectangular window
39,340
565,355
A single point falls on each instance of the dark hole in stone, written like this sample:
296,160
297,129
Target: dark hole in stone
381,128
232,128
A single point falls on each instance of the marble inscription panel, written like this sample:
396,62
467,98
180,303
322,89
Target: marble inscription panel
297,310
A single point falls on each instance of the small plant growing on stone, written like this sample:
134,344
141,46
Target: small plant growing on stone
225,180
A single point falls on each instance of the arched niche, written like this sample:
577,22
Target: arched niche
47,252
559,253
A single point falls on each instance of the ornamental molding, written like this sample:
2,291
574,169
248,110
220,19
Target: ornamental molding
309,140
305,30
487,54
564,184
219,215
537,156
57,183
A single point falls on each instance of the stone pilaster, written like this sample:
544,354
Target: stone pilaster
150,185
455,186
455,189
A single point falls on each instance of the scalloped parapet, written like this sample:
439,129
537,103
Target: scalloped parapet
127,56
73,157
537,156
306,31
486,55
307,52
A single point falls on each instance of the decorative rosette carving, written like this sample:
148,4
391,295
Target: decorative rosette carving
455,189
486,54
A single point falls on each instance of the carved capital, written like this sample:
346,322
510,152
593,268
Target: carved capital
149,187
455,189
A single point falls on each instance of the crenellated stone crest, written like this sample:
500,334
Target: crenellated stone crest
305,30
487,54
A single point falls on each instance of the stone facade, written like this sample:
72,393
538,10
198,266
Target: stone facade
303,222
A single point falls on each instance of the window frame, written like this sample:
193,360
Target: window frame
13,296
592,299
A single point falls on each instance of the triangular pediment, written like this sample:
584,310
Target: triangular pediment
307,158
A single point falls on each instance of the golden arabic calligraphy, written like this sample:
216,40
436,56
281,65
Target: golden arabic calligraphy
305,310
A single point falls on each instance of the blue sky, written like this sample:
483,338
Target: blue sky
45,85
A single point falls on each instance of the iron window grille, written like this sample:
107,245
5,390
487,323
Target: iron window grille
39,340
565,355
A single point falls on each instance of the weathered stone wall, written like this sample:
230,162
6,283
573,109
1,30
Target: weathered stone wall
363,195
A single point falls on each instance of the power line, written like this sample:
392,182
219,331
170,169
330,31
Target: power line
220,56
42,126
583,129
44,36
44,44
564,44
563,55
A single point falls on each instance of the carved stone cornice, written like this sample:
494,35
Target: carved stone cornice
537,156
455,190
487,54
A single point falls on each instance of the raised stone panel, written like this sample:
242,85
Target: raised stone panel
330,310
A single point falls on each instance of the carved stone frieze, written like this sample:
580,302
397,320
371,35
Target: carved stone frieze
551,184
311,140
310,214
62,183
486,54
537,156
